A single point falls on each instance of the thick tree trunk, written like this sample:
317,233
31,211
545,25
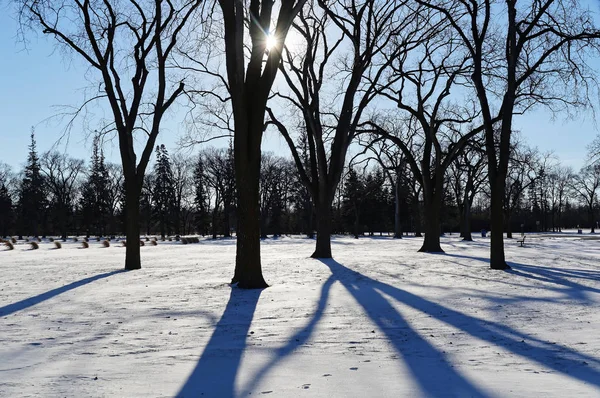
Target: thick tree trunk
466,222
497,260
132,225
397,218
248,270
323,247
431,242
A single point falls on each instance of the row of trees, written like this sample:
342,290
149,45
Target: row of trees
429,78
57,195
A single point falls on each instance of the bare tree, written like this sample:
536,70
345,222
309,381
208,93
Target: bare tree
427,76
535,54
182,183
585,184
467,175
523,172
122,42
249,81
60,176
560,179
365,30
218,172
115,194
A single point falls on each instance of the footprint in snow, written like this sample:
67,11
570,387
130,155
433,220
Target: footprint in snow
354,368
306,386
326,375
266,392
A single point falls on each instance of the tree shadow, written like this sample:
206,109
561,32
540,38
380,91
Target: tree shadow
560,358
432,370
31,301
551,275
297,340
434,373
217,368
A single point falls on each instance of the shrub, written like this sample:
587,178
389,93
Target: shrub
124,243
184,241
57,245
85,245
50,240
153,243
34,245
105,243
142,243
9,245
13,240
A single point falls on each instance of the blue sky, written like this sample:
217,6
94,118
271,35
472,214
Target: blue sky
35,80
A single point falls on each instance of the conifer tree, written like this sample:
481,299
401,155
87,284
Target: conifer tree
5,209
31,194
353,194
95,196
201,197
164,191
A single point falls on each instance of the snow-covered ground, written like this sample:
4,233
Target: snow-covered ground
380,321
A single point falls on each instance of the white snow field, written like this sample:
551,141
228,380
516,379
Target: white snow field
382,320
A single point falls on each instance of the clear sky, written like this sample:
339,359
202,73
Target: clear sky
35,80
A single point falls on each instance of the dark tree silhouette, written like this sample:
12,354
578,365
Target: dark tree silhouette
123,43
249,83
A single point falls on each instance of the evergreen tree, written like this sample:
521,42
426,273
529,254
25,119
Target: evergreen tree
95,195
201,198
353,193
31,193
5,209
164,191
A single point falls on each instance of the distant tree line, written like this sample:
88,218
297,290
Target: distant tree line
55,195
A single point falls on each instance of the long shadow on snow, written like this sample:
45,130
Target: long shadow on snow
432,370
31,301
561,359
551,275
301,337
217,368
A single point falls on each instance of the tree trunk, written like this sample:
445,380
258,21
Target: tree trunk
497,260
226,223
397,219
323,247
507,223
417,220
63,221
309,219
592,223
431,243
132,225
247,155
466,221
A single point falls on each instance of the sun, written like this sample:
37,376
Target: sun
270,42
